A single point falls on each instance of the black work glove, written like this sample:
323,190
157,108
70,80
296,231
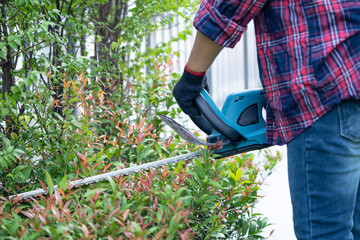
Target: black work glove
187,89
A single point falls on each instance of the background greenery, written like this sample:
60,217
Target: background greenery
67,115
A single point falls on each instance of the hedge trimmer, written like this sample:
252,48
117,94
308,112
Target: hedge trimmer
238,127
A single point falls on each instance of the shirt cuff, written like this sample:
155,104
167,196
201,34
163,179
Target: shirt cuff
222,30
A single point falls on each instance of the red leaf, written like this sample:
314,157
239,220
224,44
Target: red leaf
23,231
43,185
66,211
155,203
115,211
2,209
85,231
67,204
126,214
97,194
43,220
141,122
61,191
171,207
95,166
51,202
56,212
18,209
28,214
71,193
184,235
106,168
83,160
129,235
159,235
178,203
58,199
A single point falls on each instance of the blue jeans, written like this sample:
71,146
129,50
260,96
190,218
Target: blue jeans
324,176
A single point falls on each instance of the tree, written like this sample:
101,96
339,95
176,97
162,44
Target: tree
18,39
40,42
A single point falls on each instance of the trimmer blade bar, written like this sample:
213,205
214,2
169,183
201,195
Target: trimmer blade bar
183,132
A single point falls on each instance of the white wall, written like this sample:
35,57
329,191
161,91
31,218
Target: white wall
235,69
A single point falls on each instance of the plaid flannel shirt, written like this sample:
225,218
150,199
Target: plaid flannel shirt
308,54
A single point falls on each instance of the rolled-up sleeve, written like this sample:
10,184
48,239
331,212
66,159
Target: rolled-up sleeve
224,21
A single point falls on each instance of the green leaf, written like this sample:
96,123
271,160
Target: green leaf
145,152
262,222
12,45
233,176
14,135
14,39
63,184
19,150
3,50
110,152
158,217
220,235
90,192
15,225
200,172
3,162
252,228
158,149
244,228
136,226
50,183
238,174
6,142
112,184
2,54
214,184
203,198
5,111
9,149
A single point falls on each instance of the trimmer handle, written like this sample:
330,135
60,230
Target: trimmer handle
212,118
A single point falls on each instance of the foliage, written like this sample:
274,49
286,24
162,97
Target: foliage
75,144
202,199
39,120
66,115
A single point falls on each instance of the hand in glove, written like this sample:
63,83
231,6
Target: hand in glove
187,89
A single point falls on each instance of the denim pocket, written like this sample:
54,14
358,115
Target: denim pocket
349,115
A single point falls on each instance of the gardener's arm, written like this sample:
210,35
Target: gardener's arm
203,53
193,80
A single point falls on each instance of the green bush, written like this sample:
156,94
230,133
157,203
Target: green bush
205,198
200,199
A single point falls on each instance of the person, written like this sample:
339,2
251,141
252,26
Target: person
309,63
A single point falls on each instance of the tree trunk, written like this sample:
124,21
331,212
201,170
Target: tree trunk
56,61
7,67
7,78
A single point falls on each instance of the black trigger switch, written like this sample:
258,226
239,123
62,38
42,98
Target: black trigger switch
249,116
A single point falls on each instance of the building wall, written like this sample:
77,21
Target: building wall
235,69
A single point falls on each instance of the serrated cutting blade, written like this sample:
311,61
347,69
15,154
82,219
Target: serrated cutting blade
183,132
121,172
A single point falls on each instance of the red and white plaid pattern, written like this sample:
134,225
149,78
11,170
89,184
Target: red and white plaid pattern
308,54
